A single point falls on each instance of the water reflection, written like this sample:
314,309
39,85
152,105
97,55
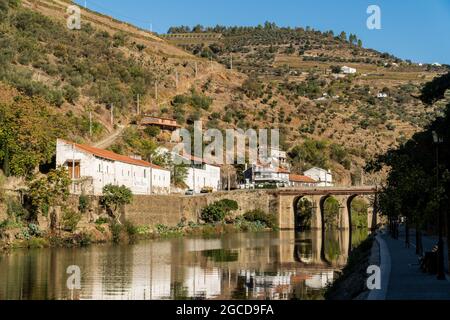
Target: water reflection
278,265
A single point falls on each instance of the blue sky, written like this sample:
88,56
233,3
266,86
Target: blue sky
411,29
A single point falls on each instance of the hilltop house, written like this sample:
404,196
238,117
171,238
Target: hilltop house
91,169
162,123
348,70
200,174
323,177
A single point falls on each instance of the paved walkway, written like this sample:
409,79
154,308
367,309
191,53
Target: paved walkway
407,281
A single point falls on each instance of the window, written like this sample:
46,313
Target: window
99,167
145,173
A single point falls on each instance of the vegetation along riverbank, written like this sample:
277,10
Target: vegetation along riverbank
65,226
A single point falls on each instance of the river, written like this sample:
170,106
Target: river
270,265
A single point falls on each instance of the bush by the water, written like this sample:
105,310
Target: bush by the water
269,220
217,211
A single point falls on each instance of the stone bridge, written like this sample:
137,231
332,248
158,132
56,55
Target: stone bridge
170,210
287,200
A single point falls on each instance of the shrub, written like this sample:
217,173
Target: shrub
34,230
71,94
213,213
116,230
131,230
15,210
83,203
269,220
217,211
70,220
152,131
228,205
101,221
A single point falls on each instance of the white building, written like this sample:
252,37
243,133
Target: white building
382,95
91,169
274,155
260,174
348,70
323,177
201,174
296,180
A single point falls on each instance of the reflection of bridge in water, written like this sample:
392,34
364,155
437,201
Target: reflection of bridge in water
272,265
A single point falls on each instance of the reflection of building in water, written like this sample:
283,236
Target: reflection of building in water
279,286
204,283
197,245
152,272
320,280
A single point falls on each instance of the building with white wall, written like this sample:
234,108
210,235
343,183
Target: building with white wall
296,180
260,174
323,177
348,70
91,169
201,174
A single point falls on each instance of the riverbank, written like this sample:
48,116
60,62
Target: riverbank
17,237
352,282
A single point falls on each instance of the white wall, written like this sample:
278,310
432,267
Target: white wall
103,172
209,177
324,178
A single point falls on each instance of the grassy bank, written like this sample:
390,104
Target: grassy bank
15,236
352,281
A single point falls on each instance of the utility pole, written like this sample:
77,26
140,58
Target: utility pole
112,114
138,111
228,173
90,124
156,91
196,69
231,61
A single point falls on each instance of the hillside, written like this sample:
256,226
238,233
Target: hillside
328,119
281,78
105,63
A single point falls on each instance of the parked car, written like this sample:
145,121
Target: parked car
189,192
207,190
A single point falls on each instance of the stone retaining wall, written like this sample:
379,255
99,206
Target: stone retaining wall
170,210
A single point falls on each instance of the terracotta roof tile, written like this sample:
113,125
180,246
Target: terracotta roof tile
302,179
109,155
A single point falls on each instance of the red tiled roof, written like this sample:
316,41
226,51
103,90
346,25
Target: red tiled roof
302,179
109,155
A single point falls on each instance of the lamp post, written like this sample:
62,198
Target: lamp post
438,140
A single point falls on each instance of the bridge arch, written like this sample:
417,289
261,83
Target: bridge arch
305,210
289,199
341,214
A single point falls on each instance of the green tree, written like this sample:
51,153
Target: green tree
114,198
28,133
47,191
